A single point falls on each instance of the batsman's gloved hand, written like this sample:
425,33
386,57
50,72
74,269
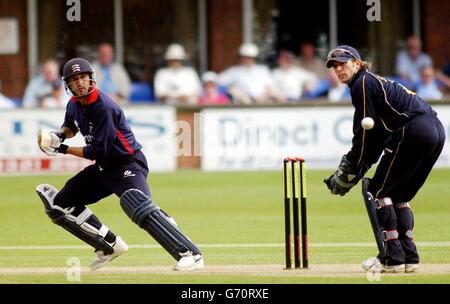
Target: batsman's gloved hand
61,136
50,142
346,176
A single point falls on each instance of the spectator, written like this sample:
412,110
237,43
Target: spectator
337,91
248,82
46,90
427,87
290,81
177,83
310,62
410,61
111,77
211,93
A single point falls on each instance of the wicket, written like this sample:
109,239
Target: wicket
297,178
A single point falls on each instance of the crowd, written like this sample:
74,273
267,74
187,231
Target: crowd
293,79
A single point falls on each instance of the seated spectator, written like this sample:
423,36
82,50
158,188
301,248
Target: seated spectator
308,61
427,87
111,77
211,93
47,89
248,82
177,83
337,91
410,61
290,82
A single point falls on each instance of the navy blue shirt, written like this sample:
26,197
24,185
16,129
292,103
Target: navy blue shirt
389,104
107,134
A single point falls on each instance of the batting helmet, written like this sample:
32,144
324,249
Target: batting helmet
77,66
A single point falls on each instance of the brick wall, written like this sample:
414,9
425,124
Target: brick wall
436,25
14,68
225,32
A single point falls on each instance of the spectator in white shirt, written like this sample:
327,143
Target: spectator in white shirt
409,62
308,61
46,90
248,82
427,87
177,83
290,81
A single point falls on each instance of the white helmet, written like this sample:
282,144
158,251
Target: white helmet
175,52
248,50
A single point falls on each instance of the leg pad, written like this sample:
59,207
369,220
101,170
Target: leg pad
76,225
147,215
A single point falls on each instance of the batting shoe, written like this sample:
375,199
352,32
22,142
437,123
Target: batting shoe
372,264
375,265
409,268
393,268
120,247
190,262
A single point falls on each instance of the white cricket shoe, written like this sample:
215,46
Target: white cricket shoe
190,262
393,268
372,264
411,268
101,259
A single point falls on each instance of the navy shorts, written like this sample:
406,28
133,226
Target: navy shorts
94,183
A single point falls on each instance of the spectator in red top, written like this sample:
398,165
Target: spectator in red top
211,94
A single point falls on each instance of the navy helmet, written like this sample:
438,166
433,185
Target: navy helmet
342,53
77,66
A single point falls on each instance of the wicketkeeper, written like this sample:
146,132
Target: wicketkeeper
408,131
120,168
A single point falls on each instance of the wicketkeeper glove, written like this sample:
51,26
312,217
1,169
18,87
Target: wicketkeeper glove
50,142
346,176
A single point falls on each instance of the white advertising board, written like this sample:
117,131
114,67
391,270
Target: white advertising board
258,139
19,153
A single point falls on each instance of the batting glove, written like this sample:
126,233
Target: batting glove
50,142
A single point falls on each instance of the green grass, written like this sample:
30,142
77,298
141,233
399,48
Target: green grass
219,208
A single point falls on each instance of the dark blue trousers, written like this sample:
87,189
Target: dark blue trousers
410,154
95,183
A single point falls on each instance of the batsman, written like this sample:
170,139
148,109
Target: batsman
404,127
120,168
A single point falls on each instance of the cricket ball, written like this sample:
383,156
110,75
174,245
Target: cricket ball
367,123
